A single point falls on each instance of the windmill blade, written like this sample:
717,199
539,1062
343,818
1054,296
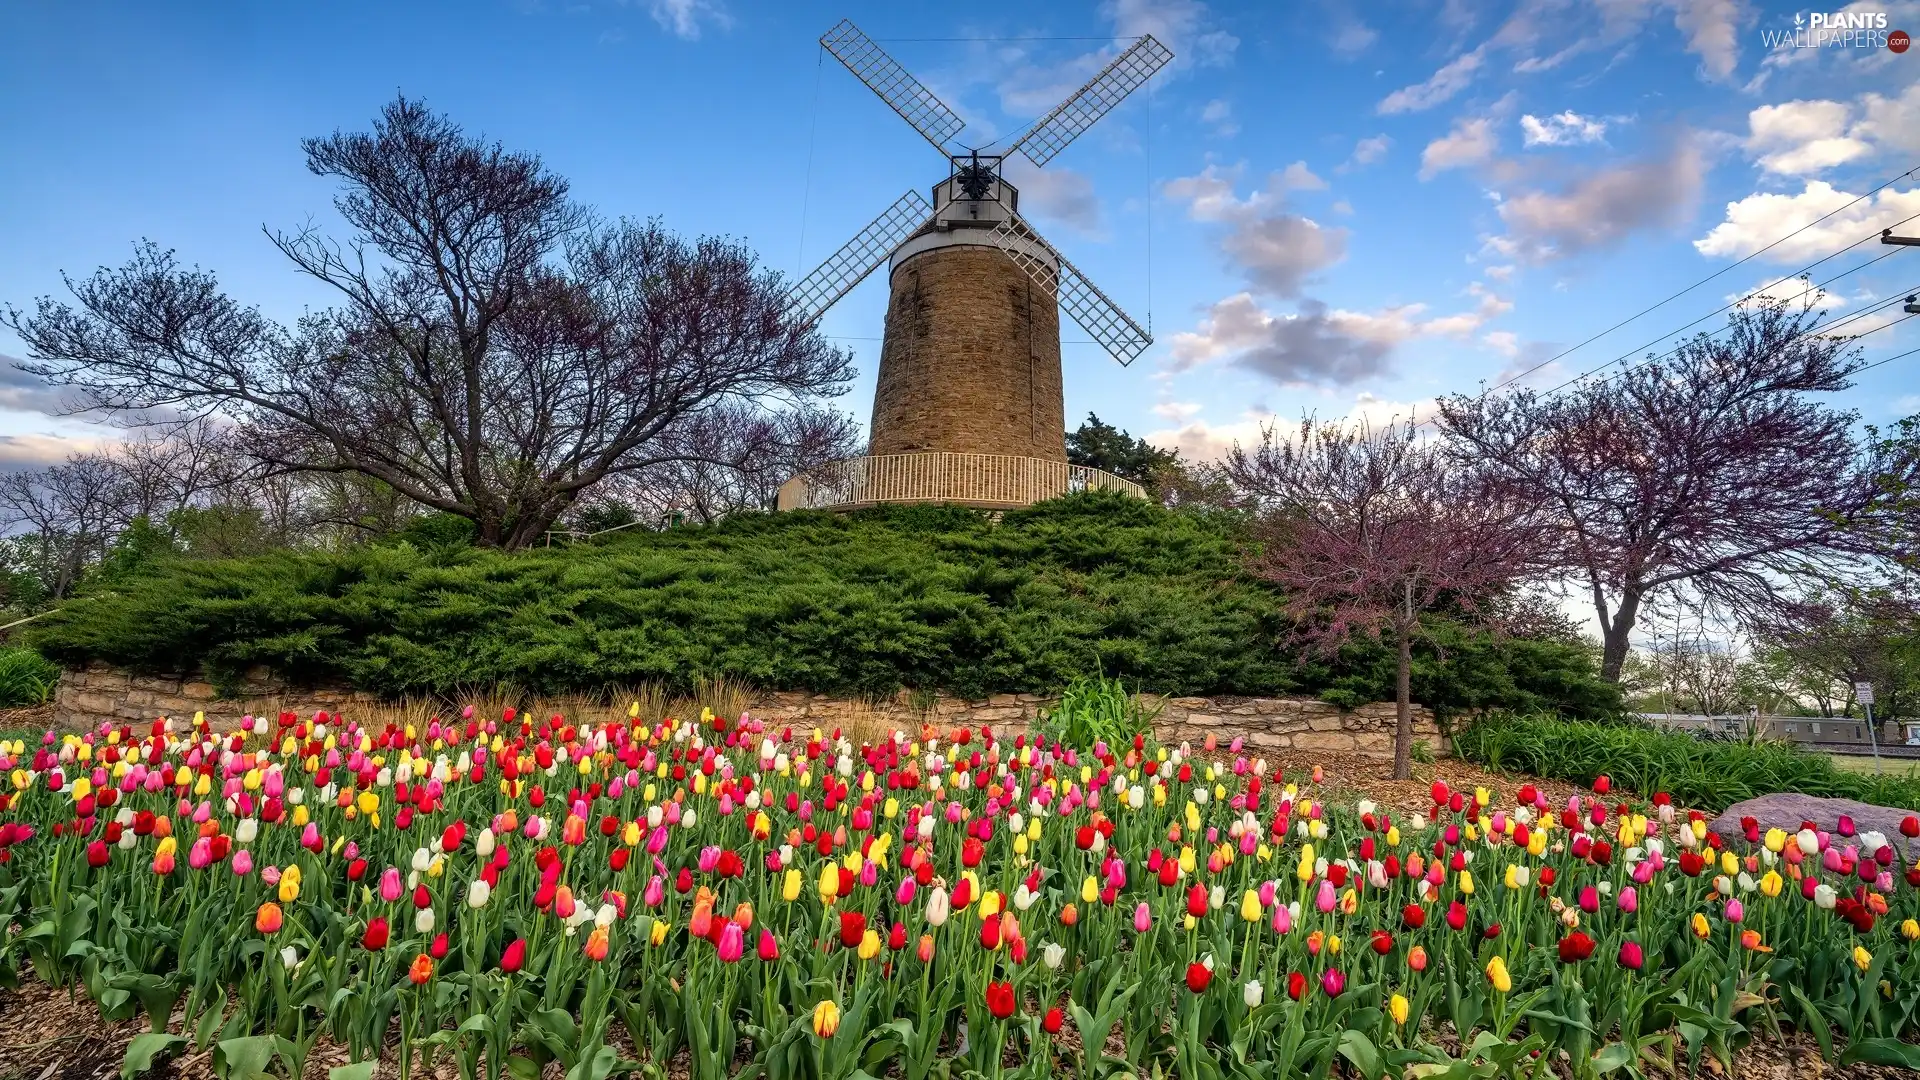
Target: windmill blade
885,77
858,257
1051,134
1078,296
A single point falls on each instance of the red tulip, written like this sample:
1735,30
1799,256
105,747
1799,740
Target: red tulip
1296,985
97,854
1382,942
375,938
1199,976
1414,916
1457,915
853,927
1197,901
1575,947
1602,784
1630,956
1910,826
1052,1022
1000,1000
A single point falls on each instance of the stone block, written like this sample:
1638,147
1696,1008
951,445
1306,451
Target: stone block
1323,740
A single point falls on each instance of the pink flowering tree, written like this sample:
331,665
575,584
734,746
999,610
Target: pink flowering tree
1368,529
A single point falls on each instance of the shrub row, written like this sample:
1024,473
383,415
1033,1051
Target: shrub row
1705,774
939,598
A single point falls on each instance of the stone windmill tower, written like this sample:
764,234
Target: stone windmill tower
968,404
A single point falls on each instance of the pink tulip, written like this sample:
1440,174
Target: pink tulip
1282,919
656,892
733,942
242,862
1735,910
1629,900
1142,918
1333,982
390,884
1325,900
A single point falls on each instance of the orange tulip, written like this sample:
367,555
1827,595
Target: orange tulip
597,944
1069,915
421,969
269,918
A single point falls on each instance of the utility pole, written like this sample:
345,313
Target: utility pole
1913,305
1887,237
1863,693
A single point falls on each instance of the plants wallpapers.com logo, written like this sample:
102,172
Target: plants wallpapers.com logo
1838,30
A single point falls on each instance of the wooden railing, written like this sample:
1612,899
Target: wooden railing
993,480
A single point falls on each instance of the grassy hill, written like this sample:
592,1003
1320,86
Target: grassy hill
938,598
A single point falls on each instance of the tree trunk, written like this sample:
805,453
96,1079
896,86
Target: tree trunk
1403,709
1618,636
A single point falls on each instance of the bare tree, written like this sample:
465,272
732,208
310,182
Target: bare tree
1365,530
1709,471
74,509
496,352
735,459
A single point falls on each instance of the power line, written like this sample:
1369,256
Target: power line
1824,331
1730,266
1811,288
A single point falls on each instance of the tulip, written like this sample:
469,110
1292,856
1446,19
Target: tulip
1417,958
375,937
1631,957
1333,981
1142,918
1053,1021
1498,975
1000,1000
826,1019
1251,993
1198,977
1397,1007
514,957
420,970
268,919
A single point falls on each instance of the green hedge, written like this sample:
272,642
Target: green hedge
927,597
1704,774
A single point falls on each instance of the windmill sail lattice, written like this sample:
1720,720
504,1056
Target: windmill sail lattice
1098,315
885,77
860,256
1051,134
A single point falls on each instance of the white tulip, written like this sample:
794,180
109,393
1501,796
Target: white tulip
423,921
1252,993
478,892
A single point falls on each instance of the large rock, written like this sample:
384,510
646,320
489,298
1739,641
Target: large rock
1789,809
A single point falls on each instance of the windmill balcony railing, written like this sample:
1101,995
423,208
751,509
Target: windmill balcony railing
998,481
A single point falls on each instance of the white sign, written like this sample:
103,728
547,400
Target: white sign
1863,692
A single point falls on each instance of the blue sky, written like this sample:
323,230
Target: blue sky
1339,207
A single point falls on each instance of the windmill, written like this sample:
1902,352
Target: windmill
970,360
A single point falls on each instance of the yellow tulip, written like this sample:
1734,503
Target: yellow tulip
1497,974
1862,959
1397,1005
1910,930
1771,883
826,1019
829,883
1249,905
790,887
1089,890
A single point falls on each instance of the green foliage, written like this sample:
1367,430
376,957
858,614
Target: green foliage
1100,445
26,677
430,531
932,597
1700,773
1096,709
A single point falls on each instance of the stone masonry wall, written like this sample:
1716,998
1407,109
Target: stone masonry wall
1269,725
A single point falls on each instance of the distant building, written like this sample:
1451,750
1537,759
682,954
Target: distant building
1837,734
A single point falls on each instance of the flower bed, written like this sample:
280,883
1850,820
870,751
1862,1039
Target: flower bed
727,896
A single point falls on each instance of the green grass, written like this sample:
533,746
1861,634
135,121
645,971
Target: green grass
1699,773
26,677
1889,766
929,597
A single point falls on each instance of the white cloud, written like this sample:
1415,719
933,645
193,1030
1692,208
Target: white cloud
1793,291
1057,194
1176,411
1562,129
1297,177
1471,142
1219,113
1438,88
1199,440
1367,151
1795,138
1318,345
686,18
1180,25
1602,209
1762,218
1276,250
1504,342
1713,31
1351,37
31,451
1892,122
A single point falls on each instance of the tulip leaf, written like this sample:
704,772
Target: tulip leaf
1360,1051
359,1070
144,1048
1882,1052
1614,1055
246,1058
